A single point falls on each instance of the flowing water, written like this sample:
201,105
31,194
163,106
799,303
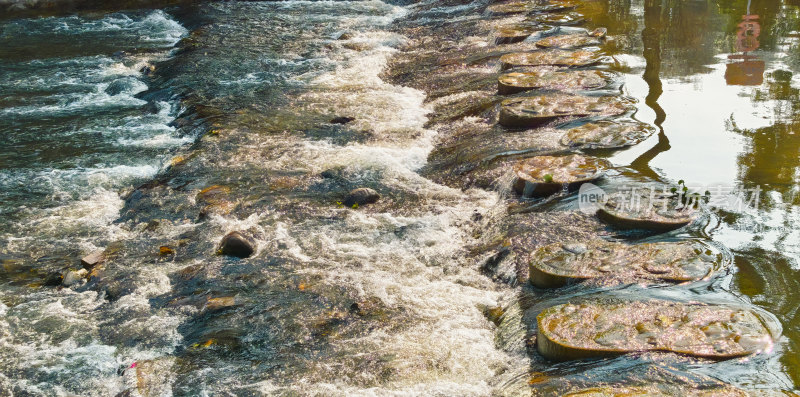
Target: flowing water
115,124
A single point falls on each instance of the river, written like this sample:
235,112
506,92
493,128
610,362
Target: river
151,134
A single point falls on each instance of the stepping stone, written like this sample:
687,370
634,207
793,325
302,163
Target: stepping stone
606,134
516,33
558,264
564,58
638,210
657,391
550,79
514,7
565,19
569,41
606,328
529,112
545,175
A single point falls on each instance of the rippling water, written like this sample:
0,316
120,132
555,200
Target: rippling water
114,124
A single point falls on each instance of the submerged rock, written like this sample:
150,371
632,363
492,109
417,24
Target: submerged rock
646,210
237,244
528,112
545,175
561,19
655,390
213,194
564,58
604,328
516,33
569,41
361,196
342,120
514,7
606,134
549,79
557,264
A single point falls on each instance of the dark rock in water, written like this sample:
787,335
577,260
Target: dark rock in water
148,70
345,36
237,244
119,86
342,120
519,32
119,54
93,259
361,196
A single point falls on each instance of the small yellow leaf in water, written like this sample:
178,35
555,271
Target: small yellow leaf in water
164,250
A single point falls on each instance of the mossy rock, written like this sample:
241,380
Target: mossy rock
579,58
550,79
646,210
655,390
556,265
519,32
569,41
529,112
545,175
609,328
560,19
607,134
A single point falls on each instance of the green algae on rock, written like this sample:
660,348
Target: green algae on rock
655,390
529,112
563,58
647,209
611,328
545,175
550,79
607,134
558,264
570,41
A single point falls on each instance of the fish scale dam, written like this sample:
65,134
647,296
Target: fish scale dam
400,198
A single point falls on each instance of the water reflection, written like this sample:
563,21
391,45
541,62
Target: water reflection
720,80
746,69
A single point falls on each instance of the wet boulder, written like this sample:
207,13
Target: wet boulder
237,244
518,32
607,134
73,277
647,209
564,58
605,328
361,196
545,175
569,41
93,259
560,19
558,264
529,112
551,79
